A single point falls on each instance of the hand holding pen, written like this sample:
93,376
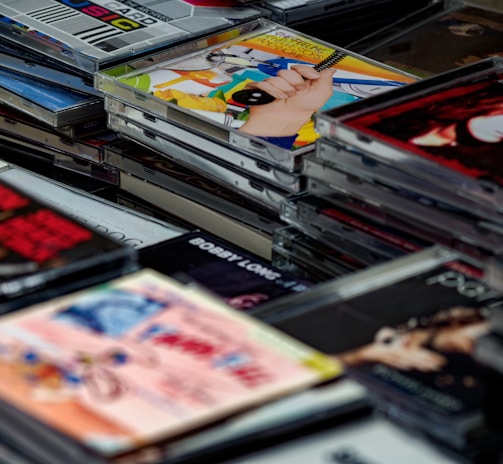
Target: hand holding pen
296,93
259,95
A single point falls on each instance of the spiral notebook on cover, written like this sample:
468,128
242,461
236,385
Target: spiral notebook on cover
207,88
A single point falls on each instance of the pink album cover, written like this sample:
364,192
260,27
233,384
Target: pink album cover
141,359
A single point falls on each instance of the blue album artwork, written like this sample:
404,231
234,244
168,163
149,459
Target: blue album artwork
51,96
112,313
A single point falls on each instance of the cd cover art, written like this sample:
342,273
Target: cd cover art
446,129
265,85
408,338
43,249
241,278
122,368
88,36
460,127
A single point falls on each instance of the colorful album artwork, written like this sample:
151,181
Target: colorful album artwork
143,358
267,85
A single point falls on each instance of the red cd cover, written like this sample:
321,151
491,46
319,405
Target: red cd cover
459,126
42,248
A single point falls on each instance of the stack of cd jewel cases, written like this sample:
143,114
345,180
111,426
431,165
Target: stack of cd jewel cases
416,166
52,113
472,31
49,52
306,256
197,106
191,197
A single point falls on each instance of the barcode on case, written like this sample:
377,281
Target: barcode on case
73,22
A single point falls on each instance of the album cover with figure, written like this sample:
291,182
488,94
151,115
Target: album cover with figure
406,330
447,129
113,372
256,91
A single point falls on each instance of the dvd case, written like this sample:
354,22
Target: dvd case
30,131
89,36
34,57
253,188
10,117
206,148
322,300
289,12
332,155
198,215
330,238
17,123
176,360
316,258
326,215
128,227
99,171
29,151
50,103
22,151
302,246
43,164
422,217
24,65
198,89
445,129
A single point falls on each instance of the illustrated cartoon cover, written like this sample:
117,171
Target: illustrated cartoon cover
142,359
